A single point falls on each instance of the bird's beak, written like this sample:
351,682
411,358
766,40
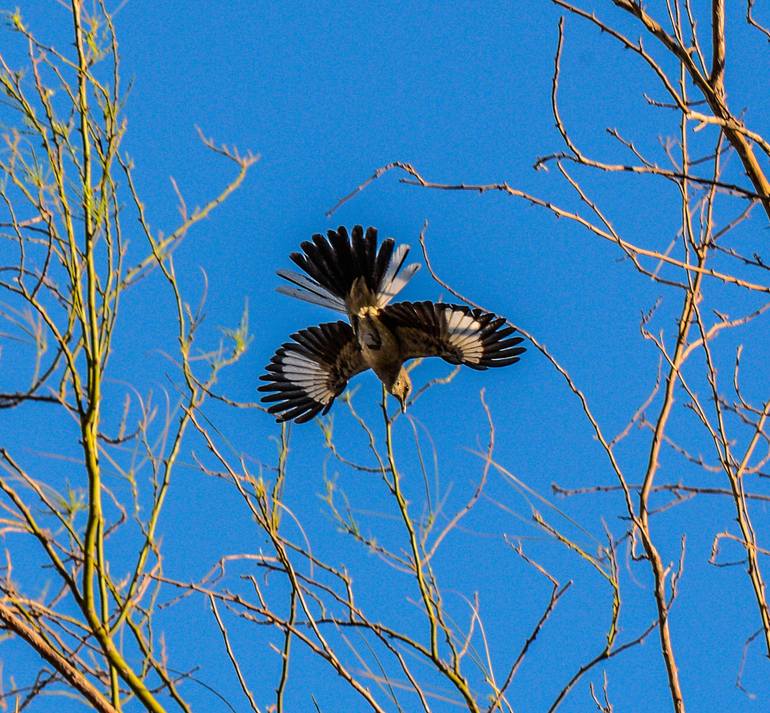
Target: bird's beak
402,401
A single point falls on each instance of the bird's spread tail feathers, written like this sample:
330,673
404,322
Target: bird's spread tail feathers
336,264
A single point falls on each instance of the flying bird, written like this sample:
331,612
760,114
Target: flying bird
347,273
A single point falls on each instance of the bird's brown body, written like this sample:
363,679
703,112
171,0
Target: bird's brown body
379,346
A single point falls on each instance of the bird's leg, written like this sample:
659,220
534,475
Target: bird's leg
370,330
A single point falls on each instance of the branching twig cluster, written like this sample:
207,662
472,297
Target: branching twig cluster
67,268
713,283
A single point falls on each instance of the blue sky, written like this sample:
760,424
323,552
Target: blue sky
325,93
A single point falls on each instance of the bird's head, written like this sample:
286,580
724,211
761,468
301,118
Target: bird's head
401,387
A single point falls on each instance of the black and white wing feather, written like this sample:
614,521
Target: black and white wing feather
333,264
457,334
307,374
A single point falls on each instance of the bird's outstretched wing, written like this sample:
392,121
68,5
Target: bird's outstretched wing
458,334
307,374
